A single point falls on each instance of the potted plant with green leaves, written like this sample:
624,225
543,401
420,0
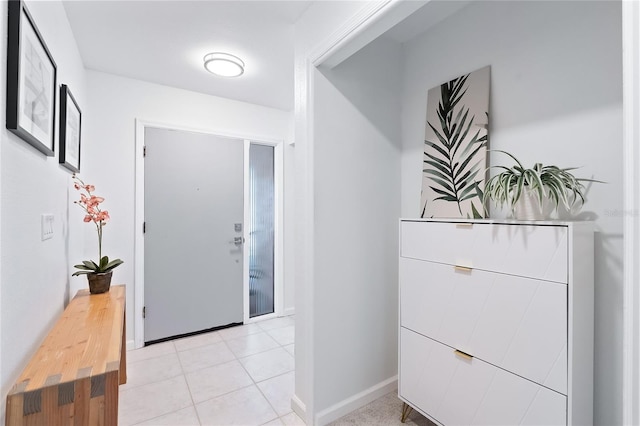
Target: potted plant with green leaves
533,193
98,273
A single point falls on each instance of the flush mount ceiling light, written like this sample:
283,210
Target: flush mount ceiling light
224,64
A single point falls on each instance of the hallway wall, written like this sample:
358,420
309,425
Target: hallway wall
320,22
35,282
357,147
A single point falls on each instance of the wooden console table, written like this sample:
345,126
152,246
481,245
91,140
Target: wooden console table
74,376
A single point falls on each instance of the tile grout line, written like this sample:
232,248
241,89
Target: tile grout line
253,381
255,353
258,387
237,359
232,352
185,380
255,384
130,387
151,357
184,374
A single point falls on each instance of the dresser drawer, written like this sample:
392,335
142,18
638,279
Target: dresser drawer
457,391
534,251
516,323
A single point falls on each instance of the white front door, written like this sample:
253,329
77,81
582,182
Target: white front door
194,230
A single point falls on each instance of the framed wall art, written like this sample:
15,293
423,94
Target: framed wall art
455,145
31,81
70,125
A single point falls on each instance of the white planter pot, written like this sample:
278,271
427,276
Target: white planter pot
528,207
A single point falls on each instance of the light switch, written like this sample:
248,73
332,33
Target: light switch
47,226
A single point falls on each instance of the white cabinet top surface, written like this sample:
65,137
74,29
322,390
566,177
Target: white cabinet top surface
503,221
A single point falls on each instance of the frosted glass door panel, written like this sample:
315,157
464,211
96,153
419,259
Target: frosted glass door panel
261,230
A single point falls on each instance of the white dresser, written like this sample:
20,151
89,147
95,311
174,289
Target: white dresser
496,321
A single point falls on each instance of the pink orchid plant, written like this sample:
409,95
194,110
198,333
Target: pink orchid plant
90,203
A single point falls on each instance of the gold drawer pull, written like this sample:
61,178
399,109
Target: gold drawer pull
464,225
463,268
463,354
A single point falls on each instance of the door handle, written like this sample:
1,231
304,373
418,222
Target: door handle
463,354
462,268
464,225
237,241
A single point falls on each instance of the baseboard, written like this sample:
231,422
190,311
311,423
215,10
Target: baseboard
298,407
131,345
289,311
356,401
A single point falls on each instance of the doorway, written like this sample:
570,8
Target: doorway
211,214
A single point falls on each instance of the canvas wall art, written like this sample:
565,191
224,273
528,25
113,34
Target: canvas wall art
455,145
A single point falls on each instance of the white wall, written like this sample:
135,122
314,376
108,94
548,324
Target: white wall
320,21
356,181
631,120
556,97
116,103
34,274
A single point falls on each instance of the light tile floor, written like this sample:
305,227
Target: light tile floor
238,376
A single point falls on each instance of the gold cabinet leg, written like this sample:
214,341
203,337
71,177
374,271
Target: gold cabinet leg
406,410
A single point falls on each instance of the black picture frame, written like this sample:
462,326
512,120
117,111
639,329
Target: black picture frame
31,81
70,130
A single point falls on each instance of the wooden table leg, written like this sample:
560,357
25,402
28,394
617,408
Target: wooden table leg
123,353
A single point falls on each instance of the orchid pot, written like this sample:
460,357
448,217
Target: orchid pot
99,282
98,273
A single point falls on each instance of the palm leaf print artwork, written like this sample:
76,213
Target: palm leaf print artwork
454,164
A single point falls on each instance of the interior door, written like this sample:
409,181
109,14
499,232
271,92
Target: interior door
194,203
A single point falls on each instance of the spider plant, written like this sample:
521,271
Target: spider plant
552,183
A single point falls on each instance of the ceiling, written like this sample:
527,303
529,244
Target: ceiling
429,15
164,42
